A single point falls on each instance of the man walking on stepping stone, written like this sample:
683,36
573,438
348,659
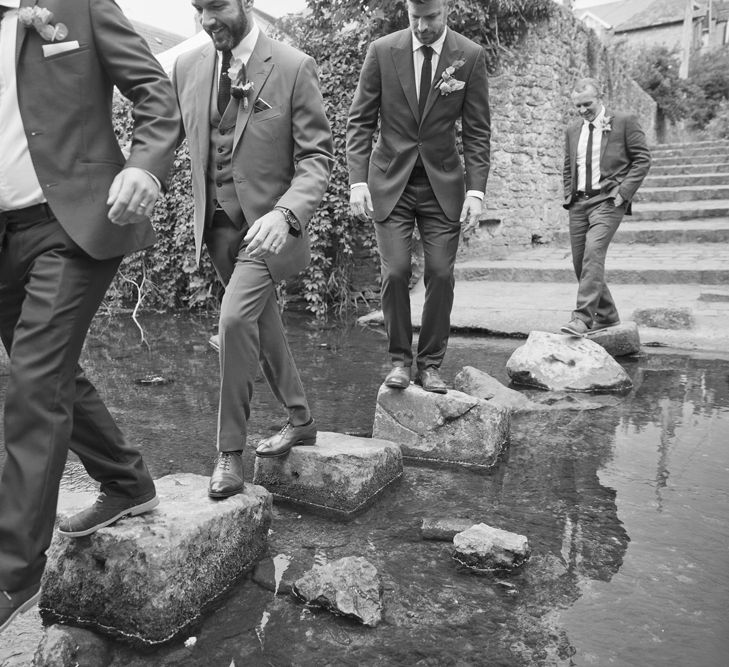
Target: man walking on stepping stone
261,154
606,160
71,206
418,82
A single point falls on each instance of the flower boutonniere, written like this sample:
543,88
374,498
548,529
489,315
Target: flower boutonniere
40,18
240,87
448,83
605,125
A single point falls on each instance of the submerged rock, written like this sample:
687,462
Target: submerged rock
559,362
485,548
448,428
443,529
349,587
147,578
63,646
341,475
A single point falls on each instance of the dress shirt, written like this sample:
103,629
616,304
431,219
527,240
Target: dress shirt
582,150
418,59
242,51
19,186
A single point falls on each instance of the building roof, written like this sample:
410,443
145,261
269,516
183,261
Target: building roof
721,11
659,12
158,40
614,13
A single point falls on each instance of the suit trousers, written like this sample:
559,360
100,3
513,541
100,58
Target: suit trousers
251,333
593,223
49,293
440,236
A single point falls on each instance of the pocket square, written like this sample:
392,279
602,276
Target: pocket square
260,105
59,47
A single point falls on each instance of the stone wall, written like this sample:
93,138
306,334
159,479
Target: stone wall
530,106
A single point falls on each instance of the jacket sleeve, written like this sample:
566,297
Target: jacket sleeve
476,123
639,154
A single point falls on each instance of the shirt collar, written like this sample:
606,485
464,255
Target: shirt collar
437,45
597,120
244,48
10,4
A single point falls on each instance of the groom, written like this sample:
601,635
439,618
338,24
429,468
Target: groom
417,82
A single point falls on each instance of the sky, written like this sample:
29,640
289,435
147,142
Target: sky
177,15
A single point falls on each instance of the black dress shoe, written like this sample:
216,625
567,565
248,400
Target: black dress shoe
430,380
227,477
289,436
398,377
18,602
105,511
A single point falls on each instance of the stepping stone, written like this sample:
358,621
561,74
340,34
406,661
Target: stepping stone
443,428
146,579
665,318
619,341
484,548
443,529
340,476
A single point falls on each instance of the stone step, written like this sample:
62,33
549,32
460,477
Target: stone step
637,263
684,193
676,169
720,149
690,159
715,230
685,180
692,144
690,210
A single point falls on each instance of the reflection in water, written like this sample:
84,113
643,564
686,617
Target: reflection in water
624,508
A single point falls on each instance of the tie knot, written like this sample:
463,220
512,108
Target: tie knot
591,126
227,57
427,52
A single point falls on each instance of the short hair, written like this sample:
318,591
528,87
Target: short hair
583,84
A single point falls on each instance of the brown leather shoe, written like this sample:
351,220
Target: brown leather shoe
576,327
17,602
105,511
227,477
289,436
398,377
430,380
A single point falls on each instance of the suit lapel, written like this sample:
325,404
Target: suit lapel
22,31
259,67
402,58
604,137
447,56
574,133
203,77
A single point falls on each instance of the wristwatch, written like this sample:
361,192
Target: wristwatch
291,220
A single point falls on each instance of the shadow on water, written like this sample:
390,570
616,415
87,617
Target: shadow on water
625,509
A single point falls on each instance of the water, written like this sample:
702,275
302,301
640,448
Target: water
625,509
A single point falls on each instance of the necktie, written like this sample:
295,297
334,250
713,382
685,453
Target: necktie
588,159
224,83
3,9
426,74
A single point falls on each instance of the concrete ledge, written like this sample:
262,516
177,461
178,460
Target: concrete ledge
148,578
339,477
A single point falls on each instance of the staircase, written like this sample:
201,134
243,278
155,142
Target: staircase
672,253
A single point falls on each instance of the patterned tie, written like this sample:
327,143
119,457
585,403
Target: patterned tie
426,74
588,159
224,83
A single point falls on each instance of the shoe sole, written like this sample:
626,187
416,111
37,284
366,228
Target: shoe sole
572,332
431,390
396,385
227,494
28,604
599,329
130,511
309,442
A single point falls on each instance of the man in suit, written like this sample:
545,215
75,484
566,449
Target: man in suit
606,160
261,154
70,207
418,82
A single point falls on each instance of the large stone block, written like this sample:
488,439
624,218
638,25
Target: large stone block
340,476
566,363
620,340
146,579
446,428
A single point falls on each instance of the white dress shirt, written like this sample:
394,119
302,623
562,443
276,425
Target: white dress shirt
242,51
19,186
582,151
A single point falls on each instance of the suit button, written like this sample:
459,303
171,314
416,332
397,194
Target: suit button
219,184
220,149
223,131
220,167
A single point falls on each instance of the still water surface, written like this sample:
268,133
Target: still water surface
625,509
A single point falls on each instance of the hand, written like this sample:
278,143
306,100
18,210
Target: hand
132,196
267,235
619,201
360,203
470,213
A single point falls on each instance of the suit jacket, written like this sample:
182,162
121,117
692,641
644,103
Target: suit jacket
281,155
624,159
386,90
65,102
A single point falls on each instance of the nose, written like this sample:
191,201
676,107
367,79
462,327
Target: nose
422,24
206,19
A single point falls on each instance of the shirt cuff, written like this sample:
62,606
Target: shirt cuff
475,193
357,185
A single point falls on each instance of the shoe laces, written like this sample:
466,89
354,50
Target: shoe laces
225,460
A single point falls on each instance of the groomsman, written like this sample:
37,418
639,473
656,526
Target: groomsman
70,207
417,83
606,159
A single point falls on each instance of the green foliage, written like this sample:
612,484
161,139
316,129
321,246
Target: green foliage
709,74
718,126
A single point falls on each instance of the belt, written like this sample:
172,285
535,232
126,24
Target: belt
24,217
581,194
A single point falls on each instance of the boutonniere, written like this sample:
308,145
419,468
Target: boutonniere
240,87
605,125
448,83
40,18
